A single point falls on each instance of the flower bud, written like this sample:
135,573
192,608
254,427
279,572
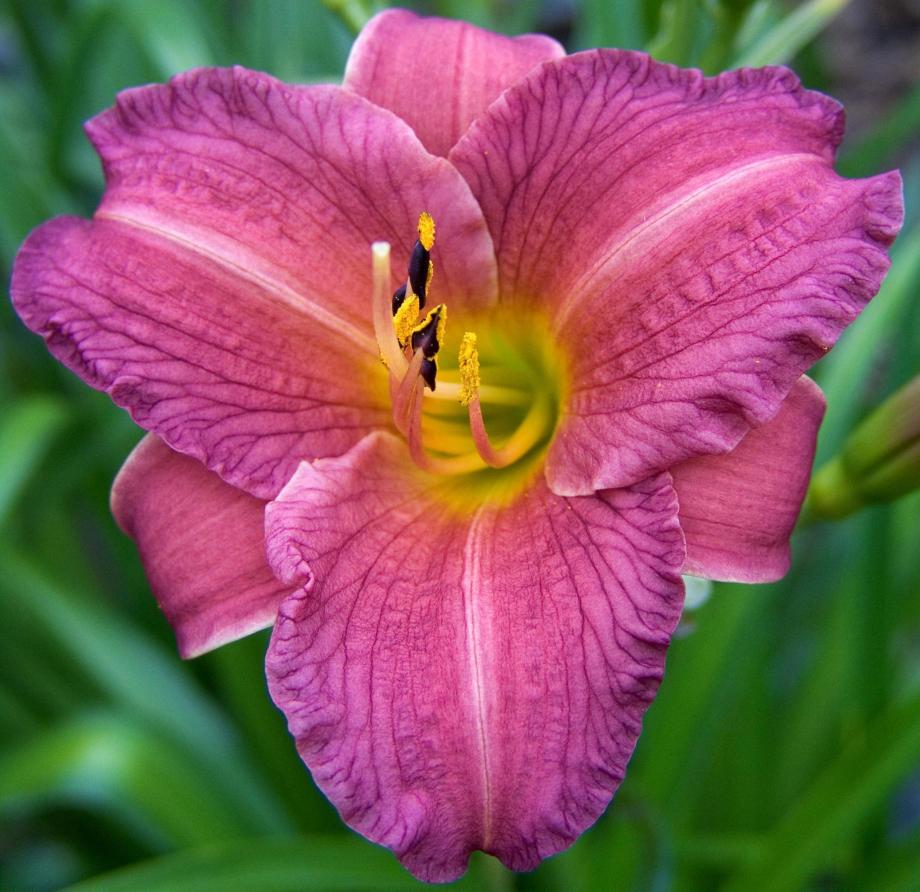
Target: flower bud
879,462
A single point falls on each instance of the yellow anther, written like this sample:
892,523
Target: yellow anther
442,322
469,368
426,230
405,319
429,276
438,315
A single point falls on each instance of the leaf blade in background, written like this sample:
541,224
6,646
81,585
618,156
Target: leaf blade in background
108,763
27,428
841,797
349,864
131,671
785,39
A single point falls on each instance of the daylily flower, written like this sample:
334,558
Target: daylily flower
633,267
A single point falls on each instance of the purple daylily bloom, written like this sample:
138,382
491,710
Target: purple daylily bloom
639,265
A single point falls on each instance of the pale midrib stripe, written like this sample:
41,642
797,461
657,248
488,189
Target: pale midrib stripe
471,583
675,208
277,289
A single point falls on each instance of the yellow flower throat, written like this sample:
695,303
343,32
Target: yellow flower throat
480,408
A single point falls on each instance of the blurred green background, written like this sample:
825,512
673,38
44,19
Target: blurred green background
783,752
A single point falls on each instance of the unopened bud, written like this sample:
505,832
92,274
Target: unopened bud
879,462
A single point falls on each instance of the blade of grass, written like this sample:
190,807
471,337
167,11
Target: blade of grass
170,32
238,672
684,720
355,14
896,870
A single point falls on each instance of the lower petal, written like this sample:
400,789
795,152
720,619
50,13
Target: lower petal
467,678
202,544
738,510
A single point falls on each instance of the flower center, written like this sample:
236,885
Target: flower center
478,405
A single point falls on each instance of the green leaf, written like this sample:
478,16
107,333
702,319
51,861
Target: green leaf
319,864
170,32
689,712
118,766
791,34
878,148
896,870
130,669
602,23
296,40
27,428
681,24
837,803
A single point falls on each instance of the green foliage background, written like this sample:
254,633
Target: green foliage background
784,748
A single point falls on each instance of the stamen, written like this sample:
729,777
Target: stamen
399,295
405,319
429,372
390,352
402,399
428,335
426,230
420,269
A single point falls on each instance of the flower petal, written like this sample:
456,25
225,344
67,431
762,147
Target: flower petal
202,544
439,74
738,510
467,677
573,161
222,294
690,240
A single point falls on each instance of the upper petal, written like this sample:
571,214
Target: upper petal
460,679
572,160
439,74
738,510
688,237
288,181
222,293
202,544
